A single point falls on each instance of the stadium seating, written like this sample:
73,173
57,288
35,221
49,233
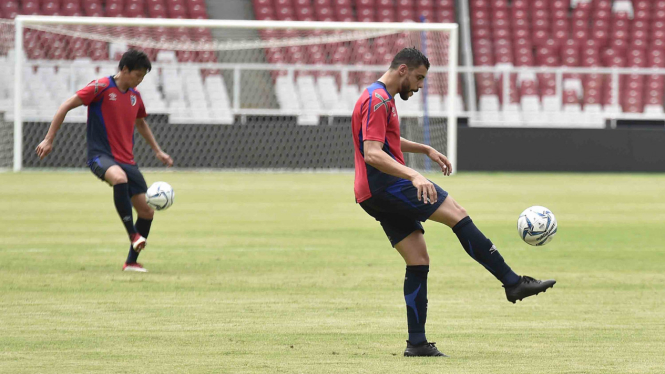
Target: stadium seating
377,52
188,94
551,33
576,34
40,45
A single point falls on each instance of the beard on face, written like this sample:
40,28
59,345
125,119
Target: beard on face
405,90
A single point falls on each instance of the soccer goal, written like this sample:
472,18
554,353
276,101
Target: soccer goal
225,94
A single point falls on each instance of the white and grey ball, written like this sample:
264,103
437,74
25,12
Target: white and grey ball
160,196
536,225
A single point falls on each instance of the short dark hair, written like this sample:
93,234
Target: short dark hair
135,60
411,57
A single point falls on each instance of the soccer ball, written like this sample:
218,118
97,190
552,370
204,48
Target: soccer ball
536,225
160,196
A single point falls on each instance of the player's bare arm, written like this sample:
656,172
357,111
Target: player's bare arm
46,146
143,129
375,156
436,156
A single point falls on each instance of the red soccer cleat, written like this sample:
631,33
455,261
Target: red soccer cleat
134,267
138,242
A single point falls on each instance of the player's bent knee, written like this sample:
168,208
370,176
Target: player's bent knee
115,175
142,208
421,260
147,214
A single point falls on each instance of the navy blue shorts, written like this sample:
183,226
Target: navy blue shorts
398,210
135,181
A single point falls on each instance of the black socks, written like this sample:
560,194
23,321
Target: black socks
482,250
123,204
143,227
415,295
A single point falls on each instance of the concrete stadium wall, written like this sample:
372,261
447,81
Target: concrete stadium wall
528,149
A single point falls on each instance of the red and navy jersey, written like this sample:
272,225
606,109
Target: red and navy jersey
375,118
111,117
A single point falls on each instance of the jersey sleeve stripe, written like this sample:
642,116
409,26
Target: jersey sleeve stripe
369,111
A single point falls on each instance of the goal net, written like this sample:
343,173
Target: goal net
224,94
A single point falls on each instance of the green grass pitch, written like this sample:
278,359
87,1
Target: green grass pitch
283,273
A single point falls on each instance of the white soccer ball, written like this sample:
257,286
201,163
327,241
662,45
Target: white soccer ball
160,196
536,225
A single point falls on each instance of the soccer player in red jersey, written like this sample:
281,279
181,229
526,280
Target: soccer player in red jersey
400,198
115,108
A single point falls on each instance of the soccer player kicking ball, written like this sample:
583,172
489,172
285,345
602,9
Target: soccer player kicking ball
400,197
114,109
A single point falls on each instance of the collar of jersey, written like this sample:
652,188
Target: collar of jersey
384,88
129,89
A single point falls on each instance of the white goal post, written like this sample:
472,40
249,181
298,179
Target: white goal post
231,44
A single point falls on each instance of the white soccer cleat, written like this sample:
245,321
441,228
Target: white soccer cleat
138,242
134,267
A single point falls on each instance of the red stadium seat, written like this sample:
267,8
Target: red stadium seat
157,12
501,33
404,4
540,37
541,24
405,15
343,12
570,97
620,24
480,4
9,7
444,15
444,4
176,11
286,13
603,5
592,96
50,8
503,55
117,3
198,11
70,8
283,4
528,88
424,4
365,13
29,7
618,44
656,58
134,10
322,4
519,14
593,81
264,12
113,10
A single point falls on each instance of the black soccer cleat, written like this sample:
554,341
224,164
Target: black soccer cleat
526,287
424,349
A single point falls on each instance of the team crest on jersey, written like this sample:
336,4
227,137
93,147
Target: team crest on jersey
394,112
132,98
113,96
